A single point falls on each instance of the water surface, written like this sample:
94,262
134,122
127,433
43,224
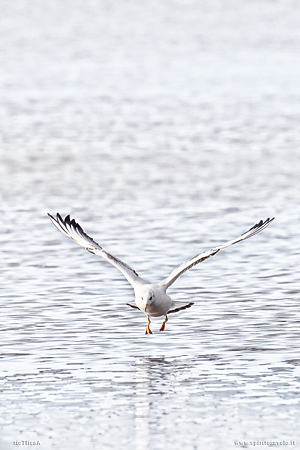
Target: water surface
164,129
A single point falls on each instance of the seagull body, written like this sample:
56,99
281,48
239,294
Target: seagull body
151,299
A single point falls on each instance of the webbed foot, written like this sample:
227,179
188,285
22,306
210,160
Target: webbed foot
148,331
163,324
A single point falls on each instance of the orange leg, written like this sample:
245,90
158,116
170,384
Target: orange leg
164,324
148,331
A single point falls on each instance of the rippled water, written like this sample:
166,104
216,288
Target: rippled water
164,128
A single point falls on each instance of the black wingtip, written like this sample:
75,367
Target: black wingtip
261,224
258,225
58,217
68,219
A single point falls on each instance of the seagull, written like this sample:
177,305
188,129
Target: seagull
151,299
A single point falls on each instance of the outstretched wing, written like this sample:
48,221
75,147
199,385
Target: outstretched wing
178,306
74,231
202,256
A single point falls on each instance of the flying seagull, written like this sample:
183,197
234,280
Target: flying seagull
151,299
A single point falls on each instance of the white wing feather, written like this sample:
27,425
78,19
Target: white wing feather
74,231
167,282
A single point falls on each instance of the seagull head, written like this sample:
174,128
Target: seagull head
147,297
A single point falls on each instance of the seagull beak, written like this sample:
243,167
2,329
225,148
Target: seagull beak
146,306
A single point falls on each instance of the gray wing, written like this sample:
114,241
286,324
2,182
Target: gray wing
178,306
202,256
74,231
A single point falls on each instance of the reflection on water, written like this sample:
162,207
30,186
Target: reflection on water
164,128
142,405
200,383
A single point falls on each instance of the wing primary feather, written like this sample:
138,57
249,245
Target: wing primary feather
167,282
75,232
